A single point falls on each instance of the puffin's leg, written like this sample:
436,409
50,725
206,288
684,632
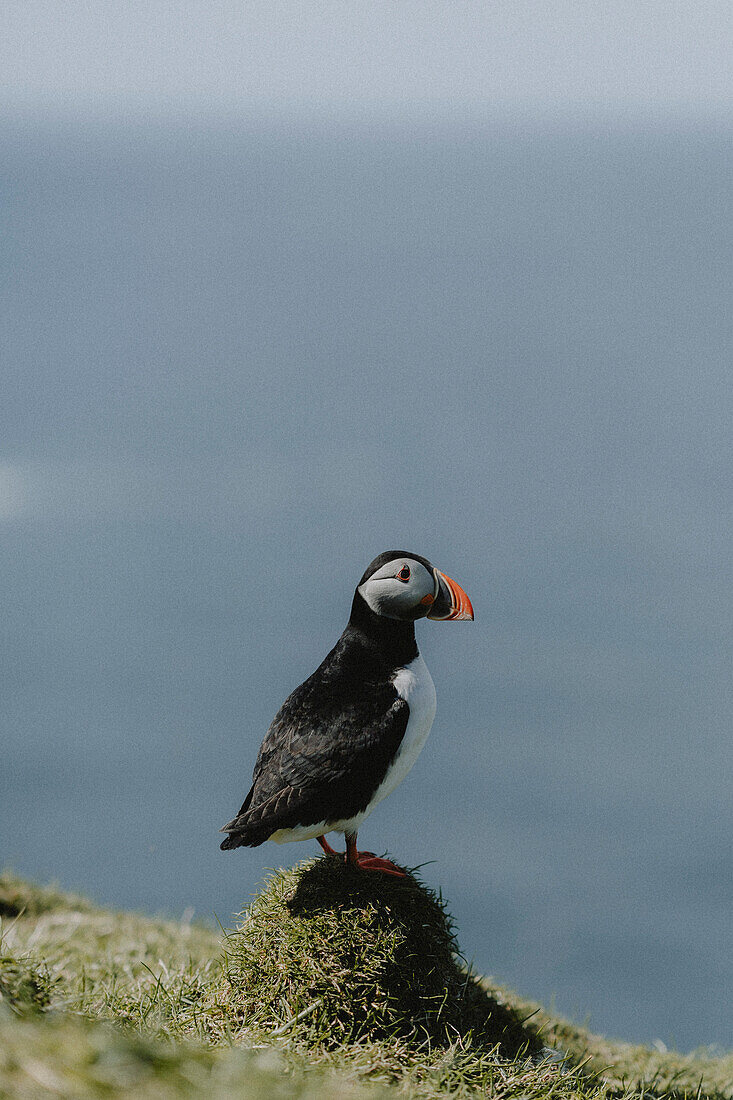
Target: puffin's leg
367,861
332,851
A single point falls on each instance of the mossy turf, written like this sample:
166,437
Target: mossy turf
21,898
338,956
330,986
24,988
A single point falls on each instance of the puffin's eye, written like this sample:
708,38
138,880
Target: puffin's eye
404,573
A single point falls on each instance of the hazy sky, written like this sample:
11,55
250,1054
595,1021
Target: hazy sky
157,57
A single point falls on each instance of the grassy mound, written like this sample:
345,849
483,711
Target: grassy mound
145,1009
335,955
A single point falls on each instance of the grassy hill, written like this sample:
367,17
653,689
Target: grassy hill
334,984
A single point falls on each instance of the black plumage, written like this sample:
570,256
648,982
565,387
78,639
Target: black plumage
332,741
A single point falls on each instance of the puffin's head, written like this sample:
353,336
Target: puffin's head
400,585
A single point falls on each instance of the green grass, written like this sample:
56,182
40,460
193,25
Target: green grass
333,984
354,957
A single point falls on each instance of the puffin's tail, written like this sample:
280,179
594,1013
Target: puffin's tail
232,841
254,825
243,832
240,829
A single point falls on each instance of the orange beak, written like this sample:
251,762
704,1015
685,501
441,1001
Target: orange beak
451,602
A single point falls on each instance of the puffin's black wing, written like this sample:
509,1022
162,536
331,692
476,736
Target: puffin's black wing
325,754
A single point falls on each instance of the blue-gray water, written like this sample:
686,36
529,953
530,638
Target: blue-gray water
236,366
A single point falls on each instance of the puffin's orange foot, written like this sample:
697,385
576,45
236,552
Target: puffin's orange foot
367,861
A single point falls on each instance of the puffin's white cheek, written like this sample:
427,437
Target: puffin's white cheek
370,596
388,597
401,599
386,594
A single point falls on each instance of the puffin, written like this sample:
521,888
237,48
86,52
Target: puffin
344,739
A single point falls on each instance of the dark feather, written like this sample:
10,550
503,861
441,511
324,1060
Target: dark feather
332,741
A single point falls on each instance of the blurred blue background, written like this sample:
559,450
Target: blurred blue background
289,286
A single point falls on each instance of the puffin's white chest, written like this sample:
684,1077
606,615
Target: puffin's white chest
415,685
